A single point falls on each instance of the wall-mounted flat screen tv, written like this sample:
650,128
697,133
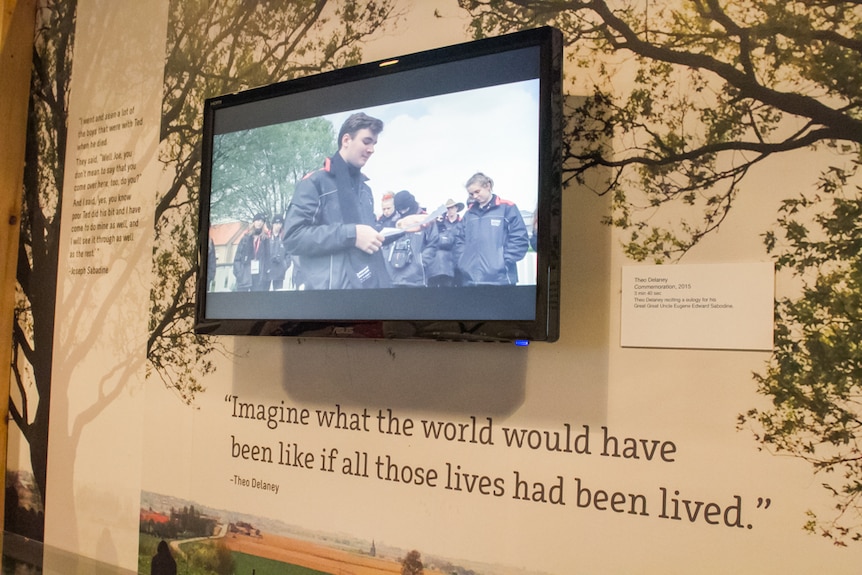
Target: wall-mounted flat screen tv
415,197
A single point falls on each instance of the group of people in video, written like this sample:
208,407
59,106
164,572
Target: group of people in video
331,237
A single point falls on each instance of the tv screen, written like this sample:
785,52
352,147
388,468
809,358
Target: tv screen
415,197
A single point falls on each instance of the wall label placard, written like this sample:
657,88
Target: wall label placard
698,306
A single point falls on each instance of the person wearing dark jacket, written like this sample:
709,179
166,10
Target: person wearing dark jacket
250,260
279,260
388,214
493,237
330,221
212,263
408,255
441,272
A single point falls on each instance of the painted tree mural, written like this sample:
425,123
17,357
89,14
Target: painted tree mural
719,88
38,250
215,48
212,47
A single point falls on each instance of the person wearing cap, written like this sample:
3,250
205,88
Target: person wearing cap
278,257
330,221
408,255
250,260
492,239
441,272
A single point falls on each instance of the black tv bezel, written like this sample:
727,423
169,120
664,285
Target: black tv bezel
544,326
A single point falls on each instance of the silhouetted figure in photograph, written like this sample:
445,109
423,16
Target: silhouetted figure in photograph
163,561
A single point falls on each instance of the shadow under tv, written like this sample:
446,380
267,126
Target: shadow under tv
490,106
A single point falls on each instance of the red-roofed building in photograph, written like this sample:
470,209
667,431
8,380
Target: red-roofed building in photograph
225,238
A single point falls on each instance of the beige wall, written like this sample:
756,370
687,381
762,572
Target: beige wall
106,449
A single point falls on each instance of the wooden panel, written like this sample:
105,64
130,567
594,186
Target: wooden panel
17,27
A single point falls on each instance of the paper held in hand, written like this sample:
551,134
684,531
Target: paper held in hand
412,223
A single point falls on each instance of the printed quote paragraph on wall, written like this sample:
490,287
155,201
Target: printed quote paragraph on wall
269,460
103,214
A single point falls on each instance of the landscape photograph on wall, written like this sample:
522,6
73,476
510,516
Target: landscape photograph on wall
201,540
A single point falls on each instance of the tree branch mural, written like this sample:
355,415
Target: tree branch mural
814,379
38,251
212,47
718,88
215,48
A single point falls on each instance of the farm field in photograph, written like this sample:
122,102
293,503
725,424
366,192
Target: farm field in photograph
313,556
